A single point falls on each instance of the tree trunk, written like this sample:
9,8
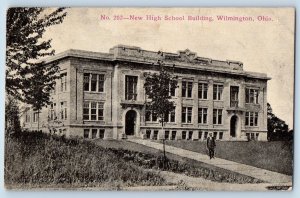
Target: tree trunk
164,146
38,121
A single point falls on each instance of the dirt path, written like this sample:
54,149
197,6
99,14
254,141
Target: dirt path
259,173
182,182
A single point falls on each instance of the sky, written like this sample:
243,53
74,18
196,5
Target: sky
265,46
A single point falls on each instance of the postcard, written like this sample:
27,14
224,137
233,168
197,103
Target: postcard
149,99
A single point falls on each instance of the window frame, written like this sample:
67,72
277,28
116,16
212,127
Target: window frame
251,98
251,117
63,110
128,87
100,82
218,91
217,116
35,117
186,113
202,90
63,82
187,89
152,115
99,105
202,113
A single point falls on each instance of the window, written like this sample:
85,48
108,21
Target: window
217,116
93,111
252,136
186,115
187,88
86,110
202,115
172,91
53,90
101,133
200,135
167,135
252,96
35,116
205,135
52,113
27,116
234,96
251,118
170,117
150,116
94,133
155,134
215,135
93,82
248,136
131,87
148,134
202,90
173,137
100,111
190,136
220,135
63,82
217,92
63,110
183,135
86,133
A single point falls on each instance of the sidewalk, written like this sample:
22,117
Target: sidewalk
262,174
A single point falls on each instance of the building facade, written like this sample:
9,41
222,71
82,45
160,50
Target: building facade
101,95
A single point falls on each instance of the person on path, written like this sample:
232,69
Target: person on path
211,145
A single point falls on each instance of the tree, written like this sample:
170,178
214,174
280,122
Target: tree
158,88
28,79
277,128
12,119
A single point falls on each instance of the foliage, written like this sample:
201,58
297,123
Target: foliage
12,121
28,79
158,87
277,128
39,160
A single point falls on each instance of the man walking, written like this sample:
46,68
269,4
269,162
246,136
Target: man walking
211,145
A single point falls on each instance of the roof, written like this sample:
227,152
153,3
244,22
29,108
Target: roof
185,59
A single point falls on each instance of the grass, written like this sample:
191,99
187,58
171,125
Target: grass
35,160
274,156
145,157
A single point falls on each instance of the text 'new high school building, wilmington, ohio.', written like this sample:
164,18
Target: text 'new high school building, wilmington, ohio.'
102,95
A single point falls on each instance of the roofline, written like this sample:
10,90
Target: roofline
110,57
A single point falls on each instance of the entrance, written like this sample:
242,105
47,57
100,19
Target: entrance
233,125
130,120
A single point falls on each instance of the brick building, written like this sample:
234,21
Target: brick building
101,95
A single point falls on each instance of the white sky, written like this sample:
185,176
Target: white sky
266,47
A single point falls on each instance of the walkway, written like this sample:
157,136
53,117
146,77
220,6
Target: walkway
259,173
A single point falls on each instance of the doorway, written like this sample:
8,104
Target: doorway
130,122
233,125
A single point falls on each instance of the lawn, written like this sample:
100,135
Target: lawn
183,165
275,156
36,160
